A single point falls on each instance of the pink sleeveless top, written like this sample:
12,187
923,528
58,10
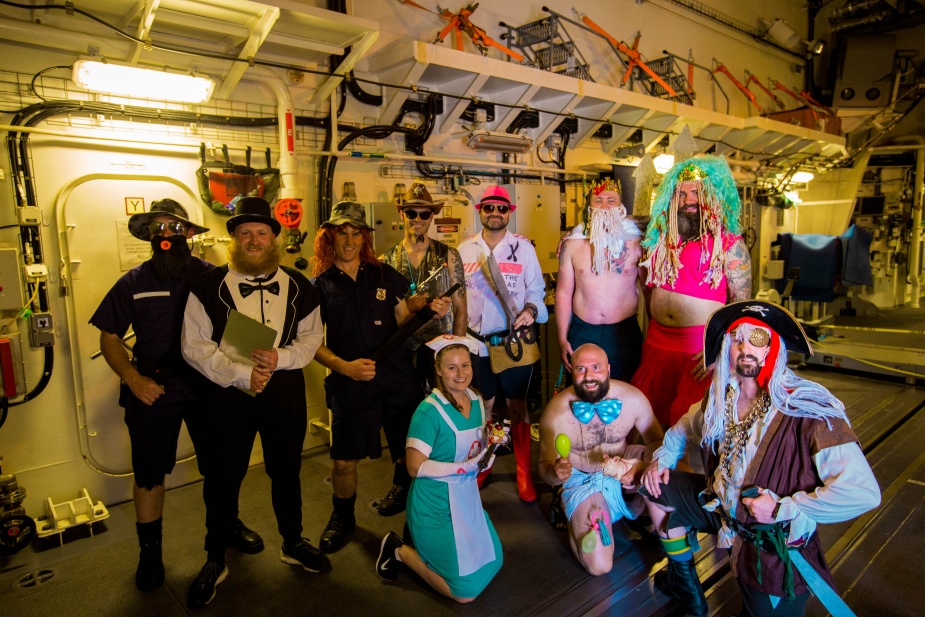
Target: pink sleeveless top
691,274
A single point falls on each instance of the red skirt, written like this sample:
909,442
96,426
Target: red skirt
664,374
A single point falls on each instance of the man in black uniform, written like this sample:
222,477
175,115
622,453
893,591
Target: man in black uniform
159,390
242,399
362,305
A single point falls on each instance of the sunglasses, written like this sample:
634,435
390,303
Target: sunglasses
175,227
413,214
501,208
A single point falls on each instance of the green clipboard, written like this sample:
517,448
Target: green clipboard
243,335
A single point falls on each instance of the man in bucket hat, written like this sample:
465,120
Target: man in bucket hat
516,259
780,458
159,390
363,302
430,266
265,395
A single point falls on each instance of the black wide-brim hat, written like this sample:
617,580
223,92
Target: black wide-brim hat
775,317
139,224
252,210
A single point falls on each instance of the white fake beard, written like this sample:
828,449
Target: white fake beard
608,237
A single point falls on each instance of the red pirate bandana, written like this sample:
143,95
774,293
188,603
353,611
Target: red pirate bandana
764,376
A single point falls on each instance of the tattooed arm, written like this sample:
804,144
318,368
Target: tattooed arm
738,272
457,275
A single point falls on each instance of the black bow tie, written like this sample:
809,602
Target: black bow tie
247,289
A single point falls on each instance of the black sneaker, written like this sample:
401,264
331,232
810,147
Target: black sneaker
202,591
305,555
246,540
387,566
150,572
394,502
336,533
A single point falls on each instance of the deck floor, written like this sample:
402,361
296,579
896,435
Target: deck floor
873,557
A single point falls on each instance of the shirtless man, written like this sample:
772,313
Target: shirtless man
596,296
596,414
697,262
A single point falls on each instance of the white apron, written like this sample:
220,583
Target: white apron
474,546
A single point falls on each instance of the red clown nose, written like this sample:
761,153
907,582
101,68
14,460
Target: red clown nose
165,245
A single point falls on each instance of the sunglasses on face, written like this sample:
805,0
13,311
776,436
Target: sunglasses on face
413,214
501,208
174,227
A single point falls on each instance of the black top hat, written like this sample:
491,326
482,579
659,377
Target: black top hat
139,224
252,210
776,317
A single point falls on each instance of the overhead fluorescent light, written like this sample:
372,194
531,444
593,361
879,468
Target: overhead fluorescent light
802,177
663,162
124,79
480,139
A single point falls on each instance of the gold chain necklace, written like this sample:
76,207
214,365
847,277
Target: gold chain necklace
737,432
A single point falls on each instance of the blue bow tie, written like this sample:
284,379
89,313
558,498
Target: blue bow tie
608,410
247,289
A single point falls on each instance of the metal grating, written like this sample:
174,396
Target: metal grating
33,579
558,48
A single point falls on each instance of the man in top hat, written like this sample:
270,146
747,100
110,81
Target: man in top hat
596,294
263,393
363,303
780,458
696,262
517,261
431,267
159,390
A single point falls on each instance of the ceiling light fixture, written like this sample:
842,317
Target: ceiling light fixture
480,139
802,177
663,162
780,32
118,78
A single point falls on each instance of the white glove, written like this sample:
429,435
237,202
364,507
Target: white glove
437,469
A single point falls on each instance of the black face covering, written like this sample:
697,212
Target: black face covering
171,257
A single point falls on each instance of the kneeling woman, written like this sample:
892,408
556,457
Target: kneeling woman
456,550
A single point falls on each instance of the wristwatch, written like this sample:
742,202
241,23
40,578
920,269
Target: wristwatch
776,512
533,310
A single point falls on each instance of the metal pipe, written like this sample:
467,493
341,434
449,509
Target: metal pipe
479,162
915,239
290,187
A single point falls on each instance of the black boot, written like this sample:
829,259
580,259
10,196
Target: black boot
679,580
150,572
395,501
336,533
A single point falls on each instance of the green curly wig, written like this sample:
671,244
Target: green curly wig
720,210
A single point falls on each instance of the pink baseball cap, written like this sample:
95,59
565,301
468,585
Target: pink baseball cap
495,195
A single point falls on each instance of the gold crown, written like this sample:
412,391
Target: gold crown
607,184
691,173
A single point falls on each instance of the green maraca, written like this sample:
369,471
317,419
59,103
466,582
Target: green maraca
563,445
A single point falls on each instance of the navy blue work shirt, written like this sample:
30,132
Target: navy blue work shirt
153,308
360,317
